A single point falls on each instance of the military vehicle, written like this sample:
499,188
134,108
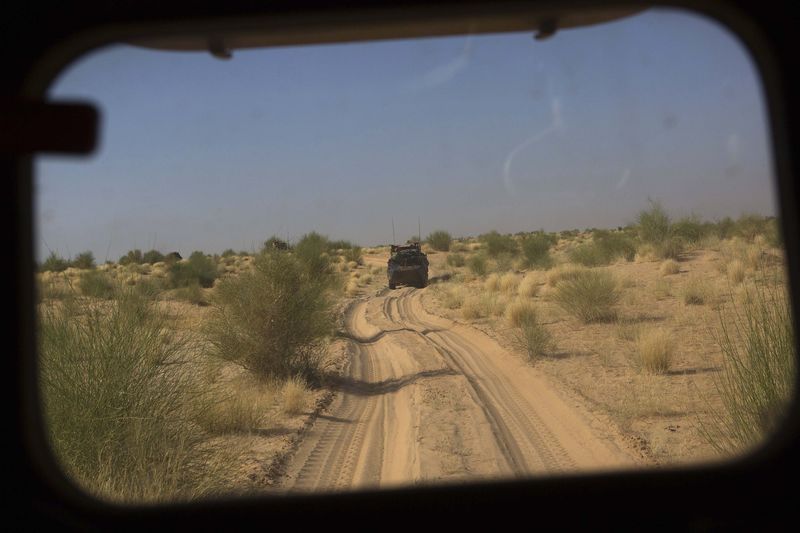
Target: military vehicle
407,265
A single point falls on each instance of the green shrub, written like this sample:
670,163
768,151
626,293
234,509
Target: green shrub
536,250
669,248
133,256
503,262
312,250
748,226
477,264
589,295
654,224
456,260
84,261
272,320
199,269
439,240
153,256
689,229
98,285
757,380
605,248
497,244
724,228
54,263
587,255
119,400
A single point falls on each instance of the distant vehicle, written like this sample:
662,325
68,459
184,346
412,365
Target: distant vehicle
407,265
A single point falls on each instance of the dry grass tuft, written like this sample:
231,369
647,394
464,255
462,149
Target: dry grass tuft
242,411
736,271
521,312
529,286
509,282
695,291
492,283
564,272
482,306
295,396
669,267
654,350
590,295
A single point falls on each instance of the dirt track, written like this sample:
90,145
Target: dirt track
426,399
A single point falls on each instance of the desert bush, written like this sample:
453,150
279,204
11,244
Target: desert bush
97,285
272,320
654,224
153,256
589,295
54,263
670,248
749,225
536,250
439,240
226,253
532,336
199,270
133,256
669,267
605,248
311,250
497,244
477,264
119,402
84,261
455,260
587,254
756,383
654,350
503,262
690,230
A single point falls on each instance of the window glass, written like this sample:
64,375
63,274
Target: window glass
378,264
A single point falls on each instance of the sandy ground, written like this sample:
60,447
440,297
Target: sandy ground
424,399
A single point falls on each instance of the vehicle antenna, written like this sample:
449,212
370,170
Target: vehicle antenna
393,239
419,229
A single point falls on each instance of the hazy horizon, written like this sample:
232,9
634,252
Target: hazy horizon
468,133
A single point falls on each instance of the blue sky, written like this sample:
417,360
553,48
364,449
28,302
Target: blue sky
468,133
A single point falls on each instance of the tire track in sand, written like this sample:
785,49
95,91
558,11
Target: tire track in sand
427,399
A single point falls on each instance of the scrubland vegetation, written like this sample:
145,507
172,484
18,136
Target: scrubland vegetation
155,368
678,314
146,401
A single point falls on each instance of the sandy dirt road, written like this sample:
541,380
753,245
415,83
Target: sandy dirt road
425,399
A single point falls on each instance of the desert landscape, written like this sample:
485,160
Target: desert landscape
295,368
